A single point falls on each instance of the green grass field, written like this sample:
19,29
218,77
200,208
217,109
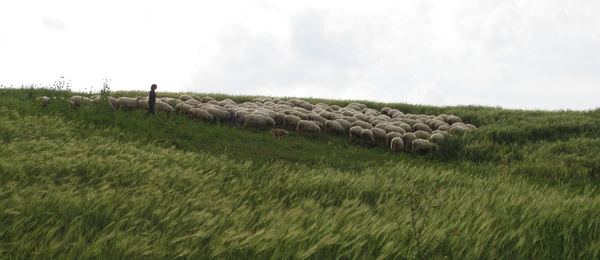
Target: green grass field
92,183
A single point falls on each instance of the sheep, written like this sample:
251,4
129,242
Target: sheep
420,146
291,121
344,123
422,127
307,126
317,117
129,103
409,138
183,108
114,102
239,115
436,138
77,101
453,119
278,132
279,118
195,97
385,110
143,104
396,129
218,113
164,107
186,98
363,124
378,133
199,113
355,132
207,99
390,136
45,100
257,120
396,144
366,136
299,114
333,126
193,102
422,134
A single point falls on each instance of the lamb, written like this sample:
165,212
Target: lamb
421,146
333,126
307,126
257,120
397,144
129,103
278,132
199,113
355,132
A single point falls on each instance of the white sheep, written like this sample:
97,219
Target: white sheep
333,126
422,146
378,134
436,138
344,123
291,121
366,136
44,99
390,136
183,108
396,144
258,120
355,132
422,127
409,138
363,124
307,126
199,113
114,102
129,103
164,107
185,98
422,134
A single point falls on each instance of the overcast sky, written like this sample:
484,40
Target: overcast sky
512,54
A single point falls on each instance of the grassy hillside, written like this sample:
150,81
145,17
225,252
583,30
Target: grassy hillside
92,183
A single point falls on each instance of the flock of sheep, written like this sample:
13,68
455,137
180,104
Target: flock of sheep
366,126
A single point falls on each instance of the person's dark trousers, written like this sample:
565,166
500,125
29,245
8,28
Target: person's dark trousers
150,108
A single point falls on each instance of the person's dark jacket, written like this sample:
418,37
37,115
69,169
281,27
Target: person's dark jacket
152,98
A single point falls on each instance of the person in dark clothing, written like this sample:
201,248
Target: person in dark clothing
151,100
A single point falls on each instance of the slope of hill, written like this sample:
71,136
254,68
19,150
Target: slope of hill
95,183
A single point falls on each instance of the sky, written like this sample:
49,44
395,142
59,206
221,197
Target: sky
524,54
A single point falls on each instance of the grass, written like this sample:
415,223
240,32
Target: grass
98,184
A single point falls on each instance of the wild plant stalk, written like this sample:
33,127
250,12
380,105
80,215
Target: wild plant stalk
418,229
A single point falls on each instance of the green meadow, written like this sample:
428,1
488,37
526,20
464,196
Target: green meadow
91,183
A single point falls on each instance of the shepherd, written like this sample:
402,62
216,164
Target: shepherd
151,100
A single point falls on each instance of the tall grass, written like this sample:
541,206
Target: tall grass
98,184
